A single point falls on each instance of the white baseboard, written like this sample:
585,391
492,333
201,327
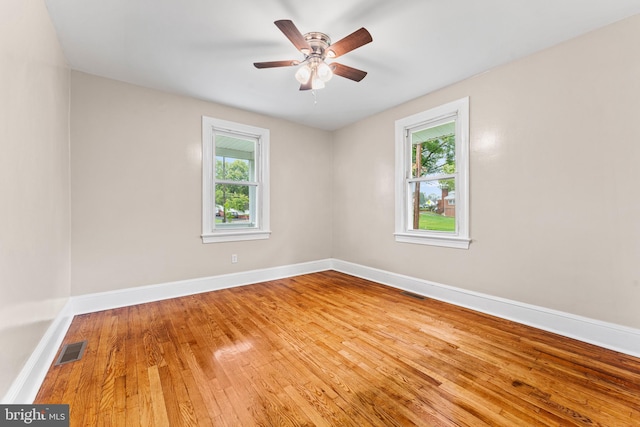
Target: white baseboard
26,385
608,335
143,294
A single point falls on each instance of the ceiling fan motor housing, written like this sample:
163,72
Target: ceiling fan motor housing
319,43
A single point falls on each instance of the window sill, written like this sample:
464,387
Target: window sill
433,240
235,236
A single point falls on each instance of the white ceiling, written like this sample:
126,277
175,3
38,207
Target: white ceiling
206,48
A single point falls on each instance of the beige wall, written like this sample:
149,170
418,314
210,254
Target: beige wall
136,189
34,181
556,138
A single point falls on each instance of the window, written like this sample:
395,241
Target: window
432,176
235,186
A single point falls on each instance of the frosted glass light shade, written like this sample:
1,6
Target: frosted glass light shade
316,81
324,72
303,74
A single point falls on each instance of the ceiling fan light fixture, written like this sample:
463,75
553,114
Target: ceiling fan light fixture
324,72
304,73
316,82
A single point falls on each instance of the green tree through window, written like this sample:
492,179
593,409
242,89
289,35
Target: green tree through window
231,196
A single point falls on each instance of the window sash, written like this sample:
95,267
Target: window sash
410,212
432,178
254,161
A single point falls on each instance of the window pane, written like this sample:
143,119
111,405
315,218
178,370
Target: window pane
436,148
235,158
235,161
432,206
235,204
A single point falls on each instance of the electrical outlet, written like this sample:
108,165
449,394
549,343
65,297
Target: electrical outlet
234,259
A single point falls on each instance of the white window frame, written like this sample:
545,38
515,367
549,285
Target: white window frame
261,229
403,233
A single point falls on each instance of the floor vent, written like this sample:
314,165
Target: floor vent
412,295
71,352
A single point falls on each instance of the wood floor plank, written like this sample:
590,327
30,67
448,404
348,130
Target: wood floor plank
328,349
158,398
142,384
132,405
98,394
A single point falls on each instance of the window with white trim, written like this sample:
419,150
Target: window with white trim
432,176
235,181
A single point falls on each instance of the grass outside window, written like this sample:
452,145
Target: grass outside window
435,222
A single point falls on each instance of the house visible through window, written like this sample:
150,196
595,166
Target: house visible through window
235,181
432,176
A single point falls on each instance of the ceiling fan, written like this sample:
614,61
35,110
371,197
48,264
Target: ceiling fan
316,47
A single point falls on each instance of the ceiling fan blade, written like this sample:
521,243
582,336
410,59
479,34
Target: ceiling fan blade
347,72
352,41
294,35
272,64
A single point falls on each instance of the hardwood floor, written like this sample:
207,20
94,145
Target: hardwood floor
328,349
